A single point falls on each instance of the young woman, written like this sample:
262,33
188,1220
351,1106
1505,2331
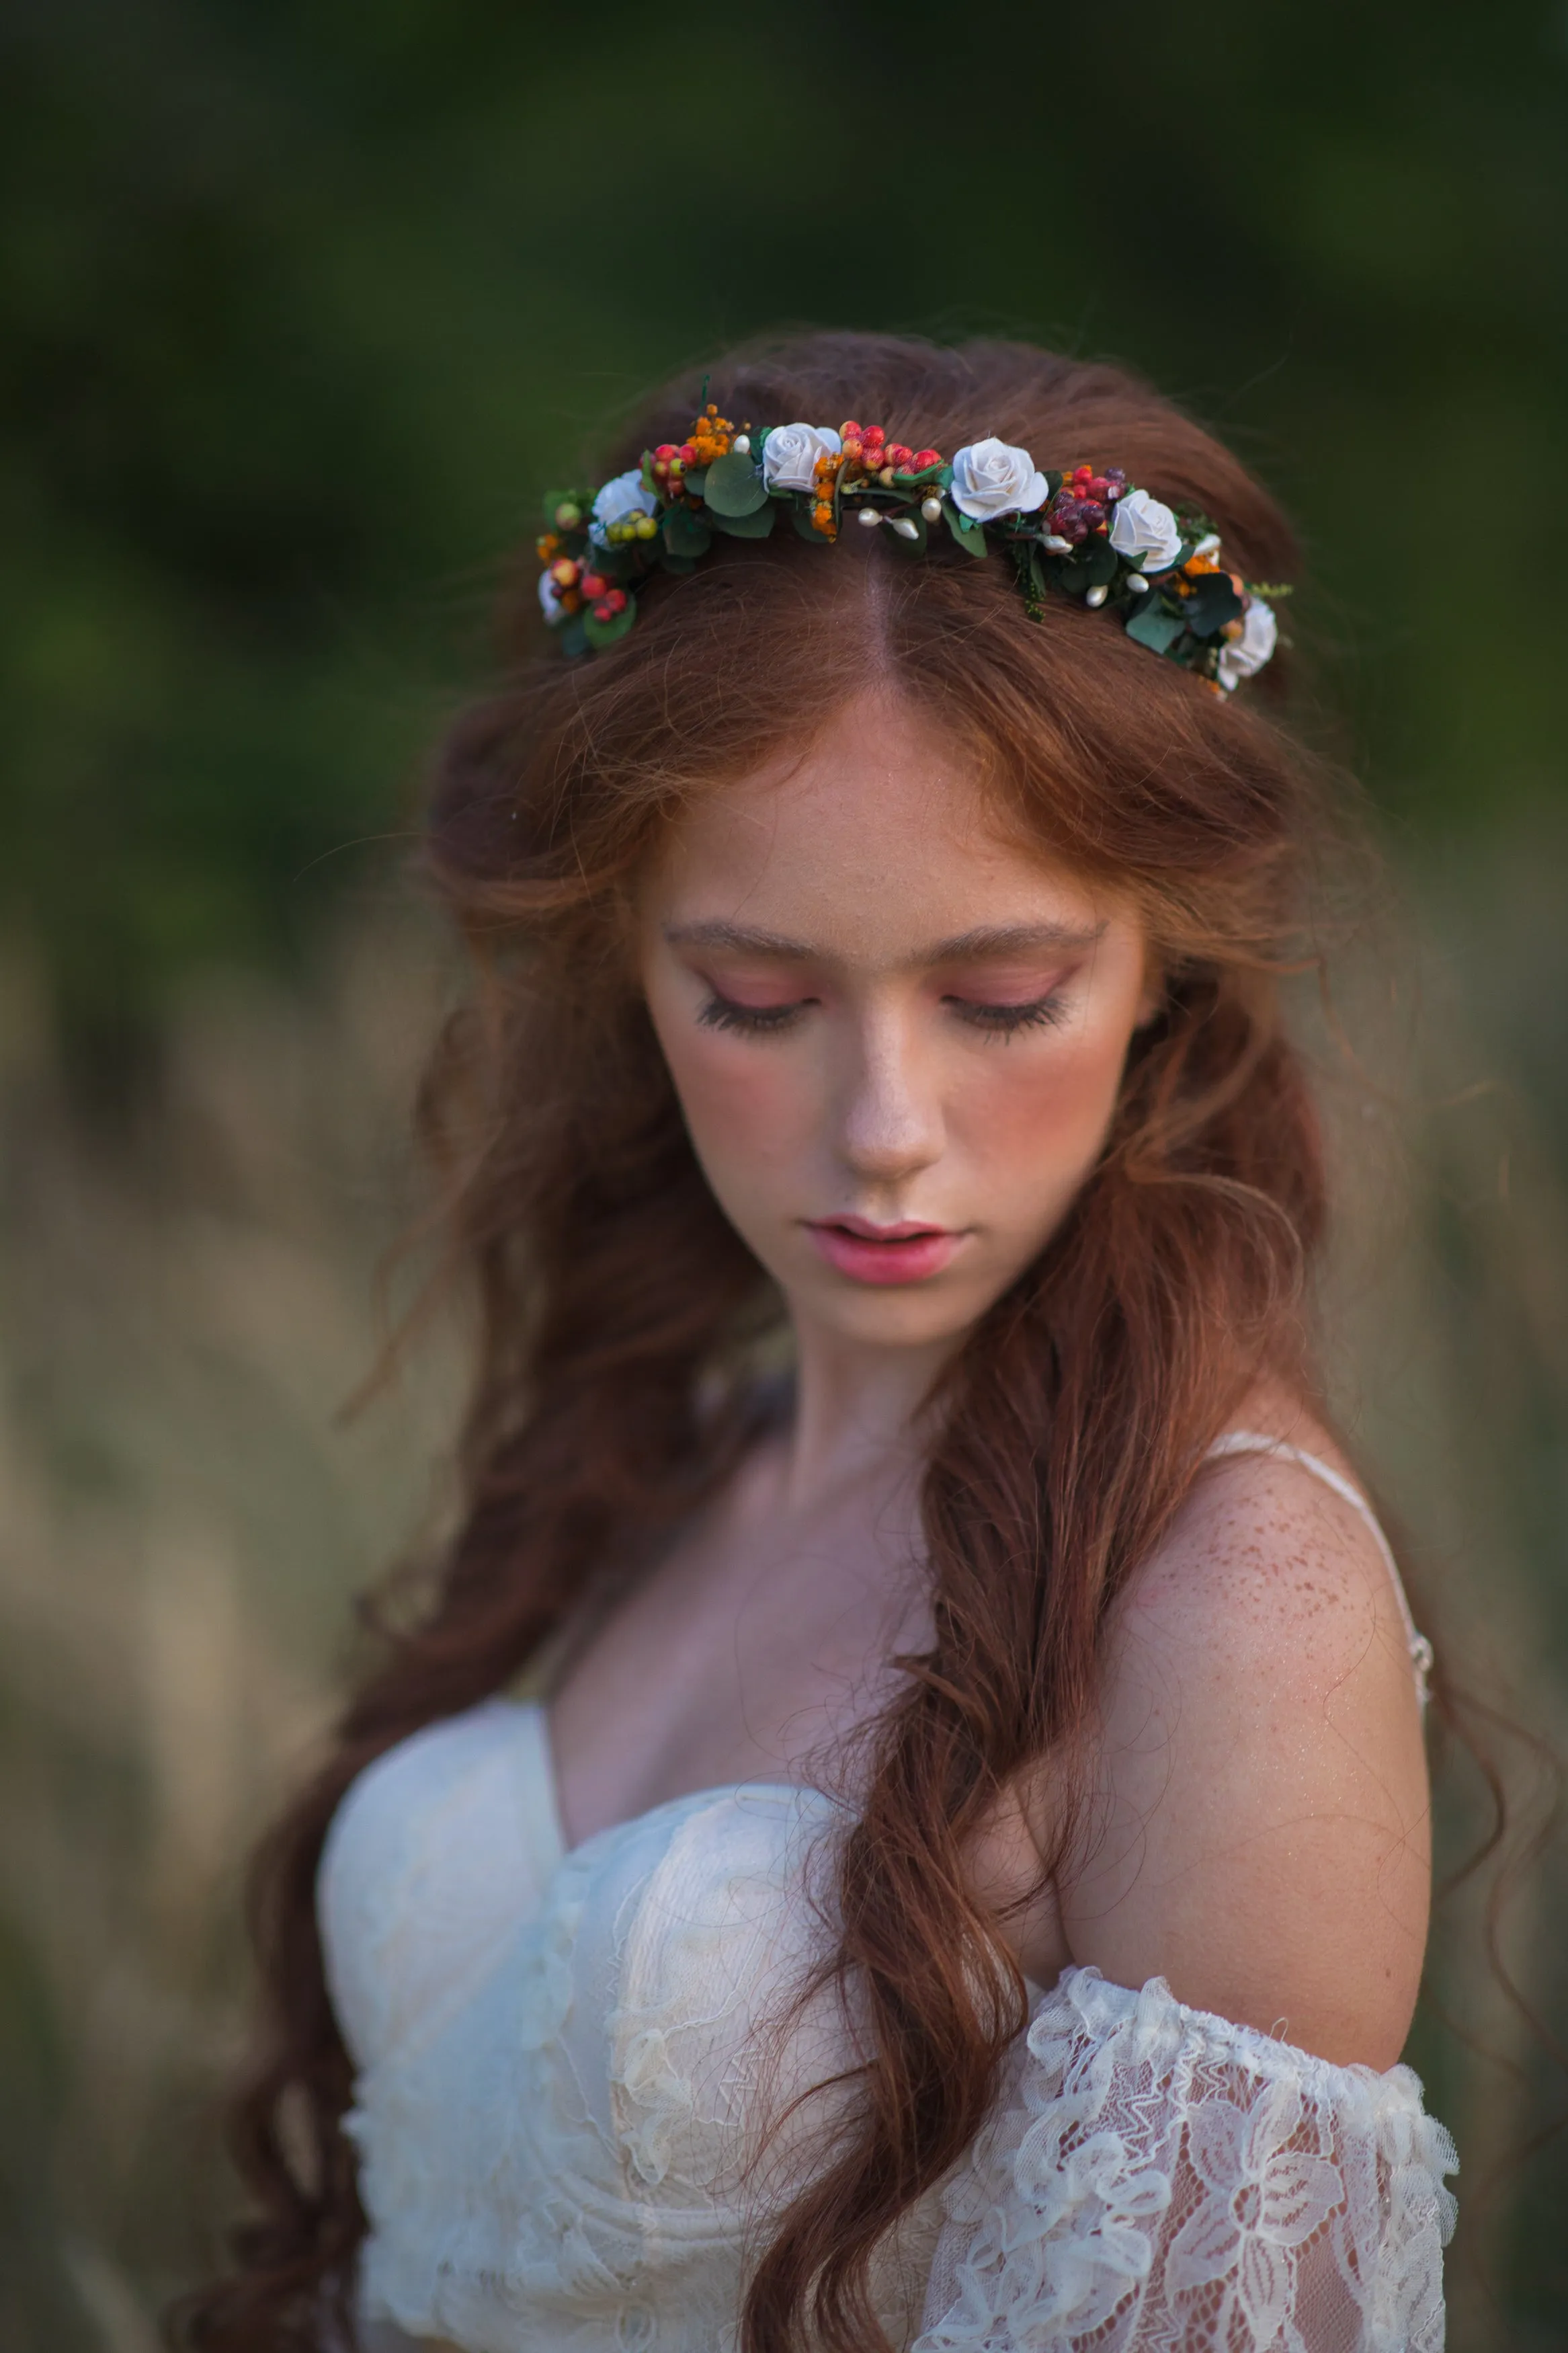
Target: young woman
959,1876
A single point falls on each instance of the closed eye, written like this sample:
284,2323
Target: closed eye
1004,1021
750,1020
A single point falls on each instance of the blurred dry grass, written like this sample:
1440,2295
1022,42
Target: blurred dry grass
188,1301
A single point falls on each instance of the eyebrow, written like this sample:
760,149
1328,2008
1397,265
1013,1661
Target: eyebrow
988,942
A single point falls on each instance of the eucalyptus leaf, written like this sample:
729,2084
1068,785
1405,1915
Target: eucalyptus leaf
1155,625
573,635
801,518
971,536
1100,558
695,480
746,526
604,633
684,534
734,486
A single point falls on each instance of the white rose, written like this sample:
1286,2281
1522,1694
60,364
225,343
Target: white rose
991,479
790,454
625,496
1145,533
549,603
1240,656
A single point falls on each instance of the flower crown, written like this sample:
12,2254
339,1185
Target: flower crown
1083,533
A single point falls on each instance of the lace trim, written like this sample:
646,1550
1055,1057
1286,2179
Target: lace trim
1157,2178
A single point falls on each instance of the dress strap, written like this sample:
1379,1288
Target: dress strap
1256,1442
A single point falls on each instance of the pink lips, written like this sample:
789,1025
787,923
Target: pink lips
909,1252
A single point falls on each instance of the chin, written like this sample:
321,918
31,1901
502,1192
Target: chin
919,1315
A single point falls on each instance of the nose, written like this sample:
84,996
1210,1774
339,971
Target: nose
890,1119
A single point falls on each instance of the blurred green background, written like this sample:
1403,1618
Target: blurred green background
301,304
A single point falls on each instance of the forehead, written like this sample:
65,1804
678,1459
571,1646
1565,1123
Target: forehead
877,839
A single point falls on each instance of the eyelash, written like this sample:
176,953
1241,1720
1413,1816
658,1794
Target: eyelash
750,1022
1002,1021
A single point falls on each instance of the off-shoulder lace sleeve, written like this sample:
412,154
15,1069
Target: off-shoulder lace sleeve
1157,2178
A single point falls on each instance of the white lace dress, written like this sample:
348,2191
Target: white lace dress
559,2081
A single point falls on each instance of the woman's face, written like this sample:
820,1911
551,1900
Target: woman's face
897,1037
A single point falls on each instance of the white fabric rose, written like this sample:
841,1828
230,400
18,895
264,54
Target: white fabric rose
790,454
549,603
991,479
625,496
1145,533
1240,656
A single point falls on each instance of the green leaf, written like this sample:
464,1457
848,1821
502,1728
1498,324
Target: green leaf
573,635
1155,625
684,533
1100,559
801,518
746,526
695,480
969,535
1212,604
1053,484
916,546
604,633
734,486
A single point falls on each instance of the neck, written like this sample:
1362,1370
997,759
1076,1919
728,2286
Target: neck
857,1412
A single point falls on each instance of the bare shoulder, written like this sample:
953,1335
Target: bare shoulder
1257,1828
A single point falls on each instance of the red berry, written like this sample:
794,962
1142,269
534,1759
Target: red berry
850,430
924,457
602,613
617,600
593,584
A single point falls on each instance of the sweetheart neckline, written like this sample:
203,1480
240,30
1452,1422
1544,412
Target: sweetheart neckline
567,1851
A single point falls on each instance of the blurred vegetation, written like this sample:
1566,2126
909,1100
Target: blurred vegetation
301,304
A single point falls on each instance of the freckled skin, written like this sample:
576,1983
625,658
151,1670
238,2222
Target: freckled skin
1258,1830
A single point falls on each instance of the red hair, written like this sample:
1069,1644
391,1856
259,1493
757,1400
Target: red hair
611,1384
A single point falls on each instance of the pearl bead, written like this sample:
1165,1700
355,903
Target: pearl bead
1095,596
904,527
931,510
1055,545
869,517
1136,582
742,445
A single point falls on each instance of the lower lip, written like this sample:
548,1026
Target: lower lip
914,1259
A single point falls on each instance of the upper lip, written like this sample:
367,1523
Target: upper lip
865,1230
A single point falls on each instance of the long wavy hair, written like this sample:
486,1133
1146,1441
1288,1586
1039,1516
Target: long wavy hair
619,1312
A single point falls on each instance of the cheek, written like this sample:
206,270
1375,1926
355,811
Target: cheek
1045,1123
747,1110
